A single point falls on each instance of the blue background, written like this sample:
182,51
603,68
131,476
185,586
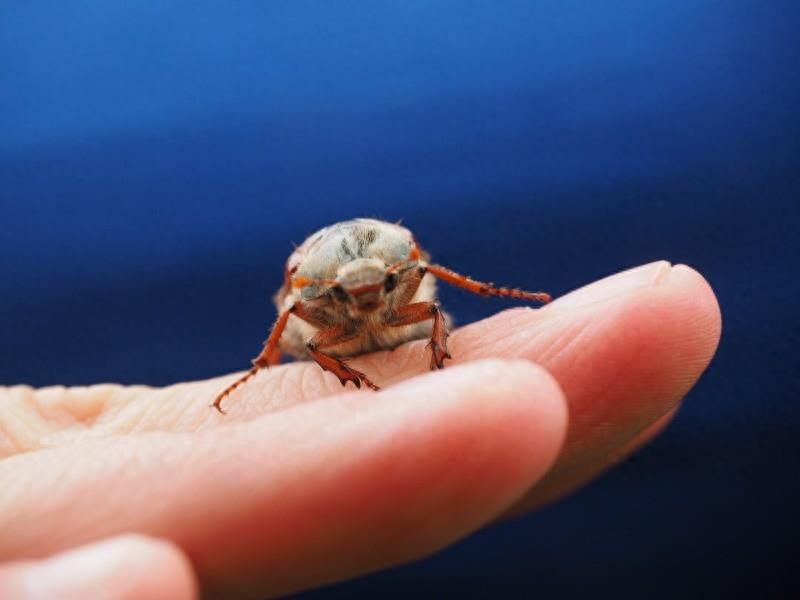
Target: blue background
157,160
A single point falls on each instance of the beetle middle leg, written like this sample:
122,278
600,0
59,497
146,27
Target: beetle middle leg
332,337
422,311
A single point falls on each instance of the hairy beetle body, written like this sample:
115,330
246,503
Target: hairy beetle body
356,287
358,252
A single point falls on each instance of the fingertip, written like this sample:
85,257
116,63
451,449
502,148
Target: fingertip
168,570
676,324
700,296
514,405
124,567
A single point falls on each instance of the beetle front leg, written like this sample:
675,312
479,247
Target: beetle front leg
422,311
331,337
269,354
264,359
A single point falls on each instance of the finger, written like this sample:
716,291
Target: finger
308,495
644,437
126,567
551,489
625,351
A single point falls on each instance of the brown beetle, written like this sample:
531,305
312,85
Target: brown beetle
356,287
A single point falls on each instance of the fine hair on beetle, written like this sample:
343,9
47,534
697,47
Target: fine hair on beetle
357,287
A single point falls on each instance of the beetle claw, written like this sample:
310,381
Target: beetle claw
345,374
438,354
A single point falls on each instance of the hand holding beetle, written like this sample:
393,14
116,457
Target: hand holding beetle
305,482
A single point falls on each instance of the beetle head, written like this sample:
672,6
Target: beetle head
362,285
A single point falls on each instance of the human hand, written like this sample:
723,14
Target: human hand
304,483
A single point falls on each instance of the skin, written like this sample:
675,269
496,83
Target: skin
305,483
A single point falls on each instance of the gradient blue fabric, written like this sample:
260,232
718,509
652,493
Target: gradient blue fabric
157,160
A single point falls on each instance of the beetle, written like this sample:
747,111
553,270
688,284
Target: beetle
359,286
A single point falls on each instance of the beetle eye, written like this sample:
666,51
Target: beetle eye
391,282
339,293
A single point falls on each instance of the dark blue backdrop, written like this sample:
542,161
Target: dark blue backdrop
158,159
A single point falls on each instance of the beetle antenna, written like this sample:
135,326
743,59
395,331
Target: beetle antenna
484,289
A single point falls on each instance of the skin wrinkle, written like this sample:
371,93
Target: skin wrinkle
475,332
598,419
318,383
132,415
21,420
548,350
402,362
474,336
163,412
523,343
111,421
411,357
64,436
7,435
151,413
7,446
601,429
87,473
117,401
49,506
83,404
102,396
310,380
183,422
277,396
38,416
173,408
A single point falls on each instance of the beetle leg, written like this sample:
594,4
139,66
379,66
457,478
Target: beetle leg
410,287
484,289
421,311
270,355
331,337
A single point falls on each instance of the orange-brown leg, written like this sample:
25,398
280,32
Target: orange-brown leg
331,337
265,359
270,355
484,289
421,311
